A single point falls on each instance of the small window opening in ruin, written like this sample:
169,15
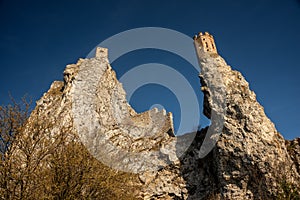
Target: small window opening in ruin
206,44
203,39
207,49
213,46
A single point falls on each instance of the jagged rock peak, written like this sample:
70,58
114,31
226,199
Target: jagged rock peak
107,125
239,156
244,156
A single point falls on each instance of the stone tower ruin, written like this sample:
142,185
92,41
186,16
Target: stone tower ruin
205,43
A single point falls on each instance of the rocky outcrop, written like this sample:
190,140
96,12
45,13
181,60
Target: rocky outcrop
251,158
239,156
91,103
293,147
248,157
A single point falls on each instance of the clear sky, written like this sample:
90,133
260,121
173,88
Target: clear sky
260,38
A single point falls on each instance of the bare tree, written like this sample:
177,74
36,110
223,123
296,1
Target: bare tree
37,164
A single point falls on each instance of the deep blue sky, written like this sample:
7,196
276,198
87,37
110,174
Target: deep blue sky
260,38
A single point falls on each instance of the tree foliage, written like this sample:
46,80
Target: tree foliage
37,164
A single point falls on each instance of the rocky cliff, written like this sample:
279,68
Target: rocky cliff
239,156
249,159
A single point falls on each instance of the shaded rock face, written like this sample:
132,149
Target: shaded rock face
239,156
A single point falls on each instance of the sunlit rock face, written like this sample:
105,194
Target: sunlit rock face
239,156
249,158
95,101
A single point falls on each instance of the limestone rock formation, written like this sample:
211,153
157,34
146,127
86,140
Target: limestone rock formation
293,148
239,156
91,102
249,158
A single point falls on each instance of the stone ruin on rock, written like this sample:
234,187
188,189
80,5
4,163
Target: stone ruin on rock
246,157
249,159
205,43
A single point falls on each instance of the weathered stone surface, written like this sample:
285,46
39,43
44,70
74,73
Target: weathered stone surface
293,147
249,159
239,156
91,102
107,125
250,156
